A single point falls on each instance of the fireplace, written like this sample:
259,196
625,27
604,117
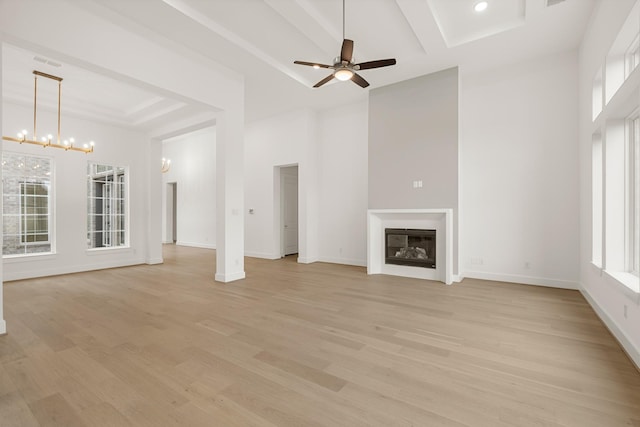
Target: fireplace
440,220
411,247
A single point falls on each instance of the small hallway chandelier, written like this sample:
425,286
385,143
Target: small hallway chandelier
166,165
48,141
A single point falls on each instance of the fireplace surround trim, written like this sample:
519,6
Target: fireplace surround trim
441,219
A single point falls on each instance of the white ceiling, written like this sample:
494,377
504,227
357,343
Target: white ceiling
261,38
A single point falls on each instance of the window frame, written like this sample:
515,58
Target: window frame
632,197
119,200
49,182
21,224
632,57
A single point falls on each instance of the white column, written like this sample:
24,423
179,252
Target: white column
154,202
3,324
230,195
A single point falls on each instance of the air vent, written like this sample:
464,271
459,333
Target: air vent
47,61
554,2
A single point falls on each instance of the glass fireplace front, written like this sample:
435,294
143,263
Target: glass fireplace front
404,246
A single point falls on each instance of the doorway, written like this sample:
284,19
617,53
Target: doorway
289,210
172,213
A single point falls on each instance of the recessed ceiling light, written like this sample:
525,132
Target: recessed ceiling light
481,6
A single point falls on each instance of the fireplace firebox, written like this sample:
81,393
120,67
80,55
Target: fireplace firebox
412,247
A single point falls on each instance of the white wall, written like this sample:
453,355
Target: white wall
3,324
343,158
519,172
284,140
114,146
607,297
193,169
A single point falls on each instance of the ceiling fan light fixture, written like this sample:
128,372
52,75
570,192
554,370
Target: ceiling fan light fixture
343,74
481,6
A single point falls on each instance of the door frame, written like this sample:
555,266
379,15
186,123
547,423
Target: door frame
278,206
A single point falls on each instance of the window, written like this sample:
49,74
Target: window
26,204
633,196
107,195
632,57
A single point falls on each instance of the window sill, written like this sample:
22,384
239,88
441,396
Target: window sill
28,257
626,282
102,251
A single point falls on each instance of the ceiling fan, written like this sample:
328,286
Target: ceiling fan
343,66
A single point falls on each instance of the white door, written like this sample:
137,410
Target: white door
290,210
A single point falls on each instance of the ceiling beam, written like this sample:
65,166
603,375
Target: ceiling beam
186,9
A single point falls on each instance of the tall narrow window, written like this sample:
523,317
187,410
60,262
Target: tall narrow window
632,57
26,197
596,200
633,197
107,193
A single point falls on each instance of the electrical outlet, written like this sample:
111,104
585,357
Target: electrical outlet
527,265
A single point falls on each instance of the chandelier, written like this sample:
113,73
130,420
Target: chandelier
48,141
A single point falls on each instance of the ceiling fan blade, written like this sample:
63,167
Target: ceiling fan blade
323,81
312,64
376,64
357,79
346,54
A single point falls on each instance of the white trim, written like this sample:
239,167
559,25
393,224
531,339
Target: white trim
344,261
154,261
627,344
524,280
43,256
624,282
262,255
458,278
3,327
309,260
439,219
31,274
196,244
107,250
225,278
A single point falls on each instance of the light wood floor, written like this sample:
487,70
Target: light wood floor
304,345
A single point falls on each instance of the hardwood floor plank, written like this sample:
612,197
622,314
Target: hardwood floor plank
14,411
304,345
54,411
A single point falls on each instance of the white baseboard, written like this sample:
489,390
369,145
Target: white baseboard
196,244
153,261
31,274
344,261
632,351
3,327
225,278
525,280
262,255
307,260
457,278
